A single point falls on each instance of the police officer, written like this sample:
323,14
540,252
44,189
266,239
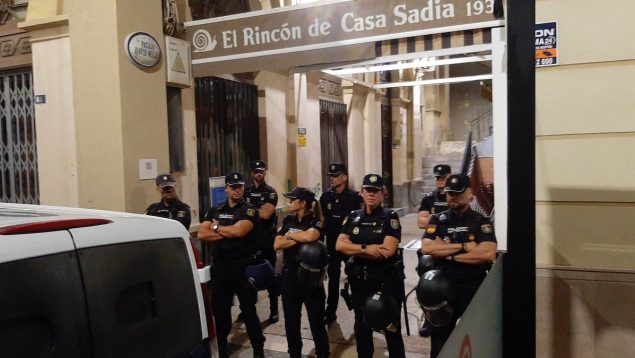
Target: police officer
302,226
433,203
170,206
230,229
464,242
372,236
265,198
337,203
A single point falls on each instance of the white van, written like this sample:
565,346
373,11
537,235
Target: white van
99,284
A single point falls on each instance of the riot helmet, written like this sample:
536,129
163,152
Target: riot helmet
425,263
381,312
260,276
436,296
313,259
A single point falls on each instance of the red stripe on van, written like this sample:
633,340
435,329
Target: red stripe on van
55,225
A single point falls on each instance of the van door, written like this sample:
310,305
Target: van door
142,299
42,306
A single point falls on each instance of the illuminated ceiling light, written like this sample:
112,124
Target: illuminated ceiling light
428,62
439,81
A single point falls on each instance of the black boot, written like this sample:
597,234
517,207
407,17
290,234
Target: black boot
273,308
424,331
259,351
329,318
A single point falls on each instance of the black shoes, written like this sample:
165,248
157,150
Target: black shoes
259,351
424,331
329,318
273,316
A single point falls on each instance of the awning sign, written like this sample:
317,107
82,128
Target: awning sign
338,23
546,44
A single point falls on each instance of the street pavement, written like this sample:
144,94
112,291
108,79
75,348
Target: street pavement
341,336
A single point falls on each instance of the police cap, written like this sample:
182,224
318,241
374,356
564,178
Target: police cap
374,181
234,179
441,170
336,169
457,183
164,180
258,165
301,194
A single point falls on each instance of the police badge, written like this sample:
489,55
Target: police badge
251,212
486,228
355,230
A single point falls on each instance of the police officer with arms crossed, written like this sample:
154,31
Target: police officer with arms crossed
433,203
300,228
265,198
170,206
464,242
230,229
337,203
372,236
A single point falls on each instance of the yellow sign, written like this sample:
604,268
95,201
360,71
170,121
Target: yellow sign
301,140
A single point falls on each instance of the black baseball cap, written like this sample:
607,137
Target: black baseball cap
441,170
457,183
258,165
301,193
374,181
164,180
234,179
336,169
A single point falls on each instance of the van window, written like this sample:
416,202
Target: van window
141,298
42,309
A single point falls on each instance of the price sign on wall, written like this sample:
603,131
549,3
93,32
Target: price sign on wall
546,44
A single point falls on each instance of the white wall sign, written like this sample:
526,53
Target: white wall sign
147,169
142,49
178,62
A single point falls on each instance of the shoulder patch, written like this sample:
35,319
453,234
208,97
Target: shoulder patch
394,223
319,224
251,212
486,228
431,229
180,214
273,195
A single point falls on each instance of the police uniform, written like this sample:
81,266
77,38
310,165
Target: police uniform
258,196
229,260
171,208
175,210
434,202
294,293
367,276
336,207
453,227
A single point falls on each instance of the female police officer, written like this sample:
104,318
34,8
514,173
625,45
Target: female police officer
299,229
372,236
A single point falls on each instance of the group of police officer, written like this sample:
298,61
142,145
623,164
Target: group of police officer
458,246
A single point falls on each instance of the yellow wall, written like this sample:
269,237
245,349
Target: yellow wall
585,192
102,114
585,133
272,110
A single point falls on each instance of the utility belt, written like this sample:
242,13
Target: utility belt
357,270
229,264
463,272
290,272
